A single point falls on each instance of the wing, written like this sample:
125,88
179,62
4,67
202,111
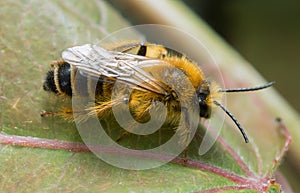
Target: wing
127,68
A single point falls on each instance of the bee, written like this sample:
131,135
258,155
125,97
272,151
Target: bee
153,72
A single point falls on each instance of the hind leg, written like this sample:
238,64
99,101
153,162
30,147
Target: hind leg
65,113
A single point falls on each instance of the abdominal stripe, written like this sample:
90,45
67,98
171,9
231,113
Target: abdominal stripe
142,51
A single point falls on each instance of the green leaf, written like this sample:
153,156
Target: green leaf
32,34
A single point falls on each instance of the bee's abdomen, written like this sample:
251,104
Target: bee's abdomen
49,84
58,80
65,80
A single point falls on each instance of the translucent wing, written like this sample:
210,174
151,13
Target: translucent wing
98,62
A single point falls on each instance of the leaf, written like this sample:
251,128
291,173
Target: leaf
32,34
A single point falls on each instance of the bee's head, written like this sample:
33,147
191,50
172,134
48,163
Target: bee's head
209,94
204,99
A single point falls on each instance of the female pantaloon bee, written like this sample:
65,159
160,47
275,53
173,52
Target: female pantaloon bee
153,72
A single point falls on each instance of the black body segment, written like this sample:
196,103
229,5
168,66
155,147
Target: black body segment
142,51
49,84
64,78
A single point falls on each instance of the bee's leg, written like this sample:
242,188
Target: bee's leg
185,155
102,109
124,134
185,134
44,113
133,124
66,113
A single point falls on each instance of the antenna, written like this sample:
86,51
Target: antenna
234,120
230,114
247,89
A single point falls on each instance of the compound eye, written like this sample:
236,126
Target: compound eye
203,93
205,110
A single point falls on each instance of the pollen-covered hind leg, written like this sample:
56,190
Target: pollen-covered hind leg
146,122
67,114
102,109
70,115
99,110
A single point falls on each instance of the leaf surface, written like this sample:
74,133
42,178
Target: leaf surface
32,34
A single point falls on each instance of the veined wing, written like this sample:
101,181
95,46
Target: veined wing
99,62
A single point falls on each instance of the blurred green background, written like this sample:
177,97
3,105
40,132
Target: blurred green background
266,33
